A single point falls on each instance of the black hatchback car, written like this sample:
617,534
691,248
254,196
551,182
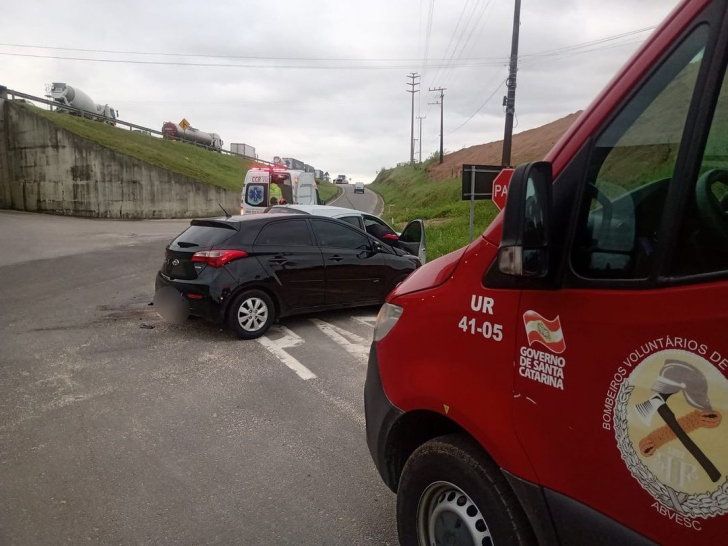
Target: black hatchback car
247,271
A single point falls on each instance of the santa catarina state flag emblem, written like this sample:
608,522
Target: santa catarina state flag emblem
546,332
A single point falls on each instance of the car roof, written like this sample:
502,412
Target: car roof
323,210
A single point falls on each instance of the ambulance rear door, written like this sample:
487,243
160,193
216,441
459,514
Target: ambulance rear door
255,192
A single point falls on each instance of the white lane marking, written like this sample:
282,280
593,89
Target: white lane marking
335,199
360,345
366,320
277,347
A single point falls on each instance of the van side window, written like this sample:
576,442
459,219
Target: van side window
702,245
631,168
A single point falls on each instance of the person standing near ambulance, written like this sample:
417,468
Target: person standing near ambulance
275,193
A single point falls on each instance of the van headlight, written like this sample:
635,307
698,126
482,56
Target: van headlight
386,319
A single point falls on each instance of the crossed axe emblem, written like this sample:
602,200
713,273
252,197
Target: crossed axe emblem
678,376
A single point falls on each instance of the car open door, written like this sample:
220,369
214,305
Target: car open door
412,239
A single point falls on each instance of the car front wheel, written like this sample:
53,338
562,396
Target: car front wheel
451,493
251,314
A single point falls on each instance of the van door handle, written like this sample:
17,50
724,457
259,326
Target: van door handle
277,261
336,258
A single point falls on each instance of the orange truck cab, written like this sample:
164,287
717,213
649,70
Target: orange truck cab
562,380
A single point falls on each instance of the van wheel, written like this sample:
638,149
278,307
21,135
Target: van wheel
451,493
251,314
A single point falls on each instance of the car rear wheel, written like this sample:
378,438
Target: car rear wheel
451,493
251,314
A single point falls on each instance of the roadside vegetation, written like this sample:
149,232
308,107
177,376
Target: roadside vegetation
181,157
410,193
327,190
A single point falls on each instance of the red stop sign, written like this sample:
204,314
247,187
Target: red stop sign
500,188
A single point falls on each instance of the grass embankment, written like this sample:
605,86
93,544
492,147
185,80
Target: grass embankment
205,165
327,190
409,193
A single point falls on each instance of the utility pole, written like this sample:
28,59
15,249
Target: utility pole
510,101
413,89
420,118
441,102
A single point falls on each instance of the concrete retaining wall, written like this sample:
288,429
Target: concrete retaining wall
44,168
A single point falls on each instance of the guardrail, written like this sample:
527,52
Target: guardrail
91,115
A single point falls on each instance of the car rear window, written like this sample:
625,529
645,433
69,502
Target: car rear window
203,236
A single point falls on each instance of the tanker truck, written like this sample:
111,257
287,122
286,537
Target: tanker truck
72,96
172,131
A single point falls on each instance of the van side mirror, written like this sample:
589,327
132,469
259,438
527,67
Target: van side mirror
524,248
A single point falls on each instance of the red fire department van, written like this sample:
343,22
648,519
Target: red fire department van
562,380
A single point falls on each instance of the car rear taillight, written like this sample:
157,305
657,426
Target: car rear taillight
390,237
218,258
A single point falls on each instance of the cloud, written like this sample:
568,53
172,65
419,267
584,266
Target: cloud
340,120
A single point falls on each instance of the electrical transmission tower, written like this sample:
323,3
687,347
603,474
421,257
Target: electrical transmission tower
420,118
413,84
441,102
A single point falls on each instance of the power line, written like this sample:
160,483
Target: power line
452,36
329,59
559,50
226,65
459,40
479,108
447,75
538,61
431,12
481,26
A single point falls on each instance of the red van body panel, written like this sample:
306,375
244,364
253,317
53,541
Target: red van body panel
442,356
435,369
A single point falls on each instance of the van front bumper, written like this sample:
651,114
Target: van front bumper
381,415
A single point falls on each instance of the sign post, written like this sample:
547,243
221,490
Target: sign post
472,203
478,186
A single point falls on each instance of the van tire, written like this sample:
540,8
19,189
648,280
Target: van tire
245,301
456,460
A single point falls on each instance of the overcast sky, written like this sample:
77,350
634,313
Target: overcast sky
294,96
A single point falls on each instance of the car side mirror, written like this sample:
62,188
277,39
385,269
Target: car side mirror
524,247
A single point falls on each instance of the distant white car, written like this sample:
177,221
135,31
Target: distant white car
359,187
411,240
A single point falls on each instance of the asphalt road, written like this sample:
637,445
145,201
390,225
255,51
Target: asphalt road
367,201
117,428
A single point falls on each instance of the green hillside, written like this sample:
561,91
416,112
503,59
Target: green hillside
207,166
410,193
215,168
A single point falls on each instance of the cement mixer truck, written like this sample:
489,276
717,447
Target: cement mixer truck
173,131
66,95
